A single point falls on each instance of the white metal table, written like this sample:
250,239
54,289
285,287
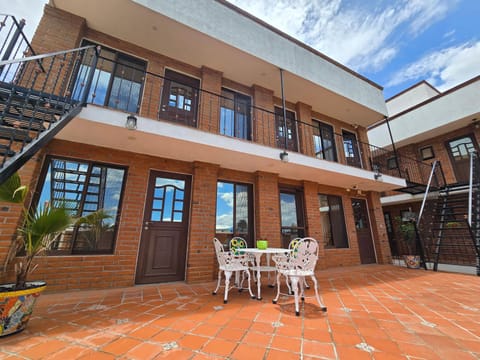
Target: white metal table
258,253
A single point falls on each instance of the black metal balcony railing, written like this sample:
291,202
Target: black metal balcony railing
125,87
13,44
128,89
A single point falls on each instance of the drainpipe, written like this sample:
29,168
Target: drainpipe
284,110
393,146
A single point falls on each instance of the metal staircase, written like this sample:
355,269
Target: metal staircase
449,227
36,99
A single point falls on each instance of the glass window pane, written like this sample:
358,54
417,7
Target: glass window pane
288,210
98,206
224,218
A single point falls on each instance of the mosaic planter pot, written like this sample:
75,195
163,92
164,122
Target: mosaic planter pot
412,261
16,306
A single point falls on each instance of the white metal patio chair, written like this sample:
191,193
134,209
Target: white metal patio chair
296,266
229,263
236,244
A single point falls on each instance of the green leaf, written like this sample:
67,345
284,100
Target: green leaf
12,190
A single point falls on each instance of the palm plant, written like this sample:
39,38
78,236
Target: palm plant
37,232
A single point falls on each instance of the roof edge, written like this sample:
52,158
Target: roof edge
297,42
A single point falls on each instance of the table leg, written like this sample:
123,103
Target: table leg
258,258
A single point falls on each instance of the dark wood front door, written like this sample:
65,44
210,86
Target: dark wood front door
352,151
290,142
459,150
292,215
180,98
364,234
163,246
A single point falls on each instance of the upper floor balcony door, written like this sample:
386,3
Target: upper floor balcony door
459,150
117,81
352,151
180,98
235,115
290,143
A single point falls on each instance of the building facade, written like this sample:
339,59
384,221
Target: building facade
441,128
198,124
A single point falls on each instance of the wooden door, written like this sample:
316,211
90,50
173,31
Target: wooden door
364,233
352,151
459,151
180,98
163,246
290,142
291,215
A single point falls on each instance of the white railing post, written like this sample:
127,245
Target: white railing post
426,192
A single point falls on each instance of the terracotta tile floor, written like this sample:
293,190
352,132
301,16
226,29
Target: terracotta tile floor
374,312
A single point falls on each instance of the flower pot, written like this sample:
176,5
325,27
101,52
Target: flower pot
412,261
16,306
262,244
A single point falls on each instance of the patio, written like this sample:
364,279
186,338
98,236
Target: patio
374,312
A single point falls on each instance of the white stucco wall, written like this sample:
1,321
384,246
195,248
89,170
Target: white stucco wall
226,25
446,113
410,98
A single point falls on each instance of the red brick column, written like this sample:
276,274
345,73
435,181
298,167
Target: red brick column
201,254
305,132
379,231
267,208
312,219
263,121
209,113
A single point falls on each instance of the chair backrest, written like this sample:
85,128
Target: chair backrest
219,251
236,243
292,244
305,254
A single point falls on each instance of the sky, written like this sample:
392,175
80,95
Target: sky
395,43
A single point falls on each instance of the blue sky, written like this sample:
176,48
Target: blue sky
395,43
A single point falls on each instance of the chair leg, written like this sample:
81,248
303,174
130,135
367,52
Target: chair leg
228,274
218,282
278,288
301,285
294,280
322,306
249,284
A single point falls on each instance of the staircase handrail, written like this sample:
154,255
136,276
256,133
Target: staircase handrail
42,56
20,32
426,192
470,189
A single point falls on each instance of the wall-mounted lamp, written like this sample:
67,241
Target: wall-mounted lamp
377,174
131,123
284,156
476,123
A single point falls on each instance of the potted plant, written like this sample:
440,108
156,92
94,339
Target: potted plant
39,229
409,236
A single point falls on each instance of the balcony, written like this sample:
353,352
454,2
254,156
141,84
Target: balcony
178,121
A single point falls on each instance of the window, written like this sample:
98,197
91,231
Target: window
333,221
352,151
290,143
324,141
234,211
427,153
292,215
179,98
392,163
235,115
89,190
117,81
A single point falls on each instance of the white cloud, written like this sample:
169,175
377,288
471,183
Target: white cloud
228,198
444,68
30,10
360,37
